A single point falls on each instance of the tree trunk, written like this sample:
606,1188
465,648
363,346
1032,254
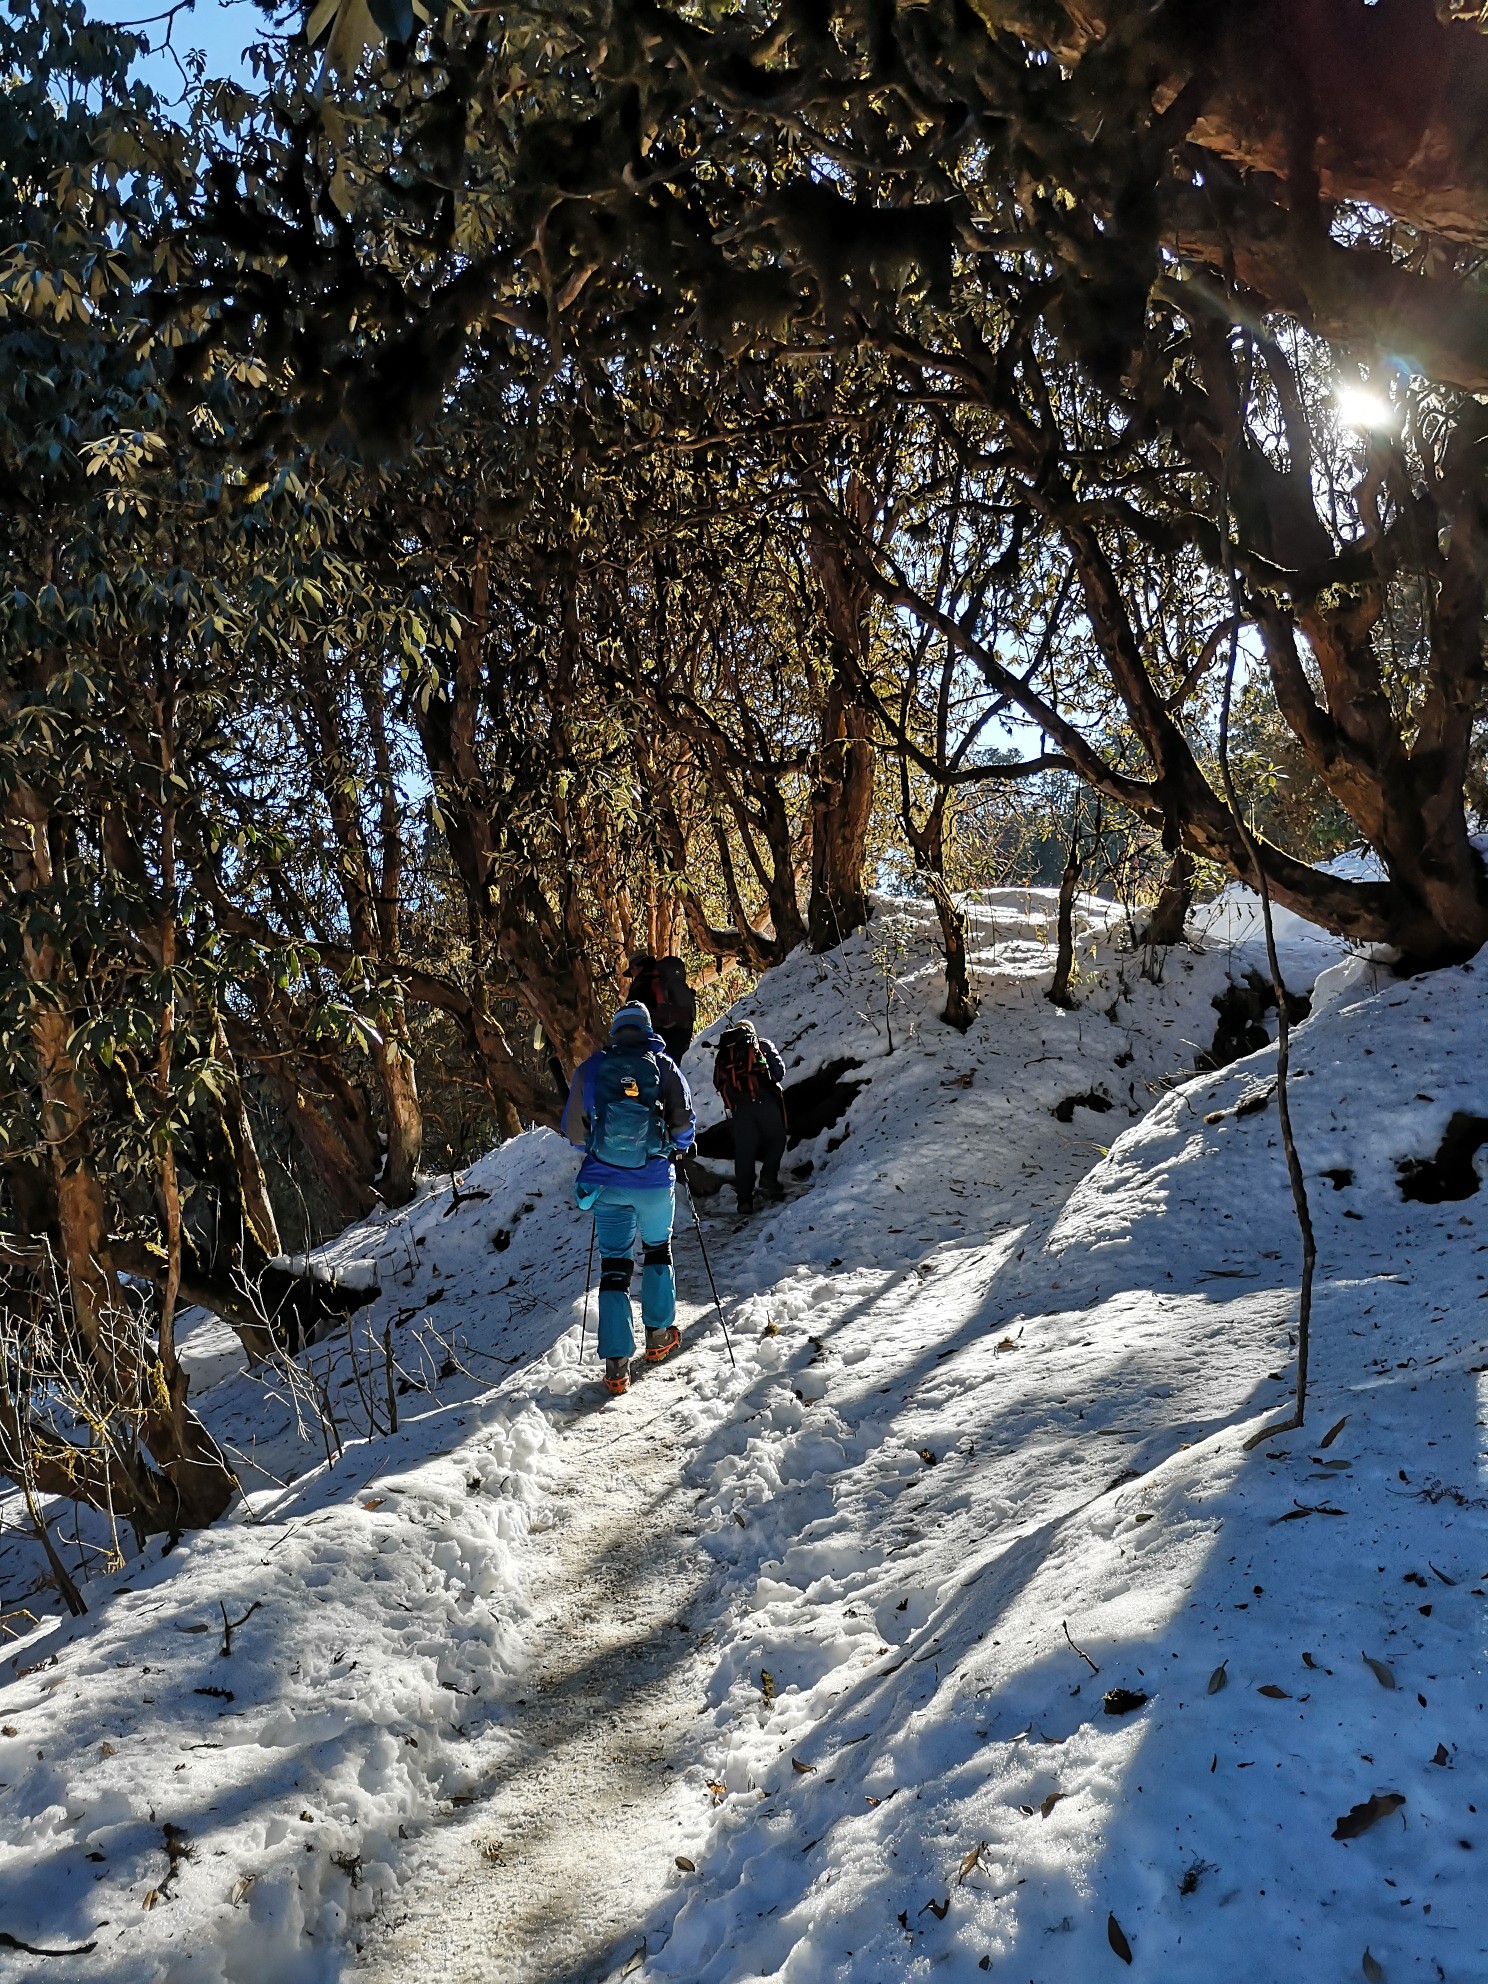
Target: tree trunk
99,1476
195,1483
341,1168
842,788
841,813
405,1118
961,1002
1064,962
256,1206
1390,95
328,1117
927,843
1169,916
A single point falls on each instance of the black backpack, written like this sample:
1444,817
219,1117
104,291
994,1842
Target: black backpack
676,1004
646,986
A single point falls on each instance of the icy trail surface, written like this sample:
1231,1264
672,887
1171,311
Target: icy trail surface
954,1630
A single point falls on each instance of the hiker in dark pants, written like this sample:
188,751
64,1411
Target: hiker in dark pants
630,1113
750,1076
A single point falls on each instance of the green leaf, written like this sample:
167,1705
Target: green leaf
394,17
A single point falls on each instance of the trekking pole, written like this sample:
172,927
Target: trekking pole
703,1249
588,1277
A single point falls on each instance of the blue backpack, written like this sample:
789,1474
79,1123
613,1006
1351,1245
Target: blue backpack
628,1128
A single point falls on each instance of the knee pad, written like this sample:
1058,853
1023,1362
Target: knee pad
659,1256
615,1271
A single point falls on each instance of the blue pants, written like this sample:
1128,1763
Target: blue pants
618,1211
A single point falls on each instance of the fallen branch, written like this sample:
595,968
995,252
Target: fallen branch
1291,1425
9,1942
1080,1650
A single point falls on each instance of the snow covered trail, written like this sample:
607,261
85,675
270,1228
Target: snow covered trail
573,1839
844,1379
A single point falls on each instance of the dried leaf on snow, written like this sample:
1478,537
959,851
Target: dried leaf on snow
1300,1509
1359,1818
970,1860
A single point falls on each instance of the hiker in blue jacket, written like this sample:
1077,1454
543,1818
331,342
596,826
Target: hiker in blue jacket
630,1112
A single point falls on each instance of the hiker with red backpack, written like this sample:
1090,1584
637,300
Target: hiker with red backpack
630,1112
749,1075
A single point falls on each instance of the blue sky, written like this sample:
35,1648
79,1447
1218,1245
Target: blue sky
221,29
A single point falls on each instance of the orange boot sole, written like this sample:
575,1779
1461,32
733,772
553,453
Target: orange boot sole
655,1352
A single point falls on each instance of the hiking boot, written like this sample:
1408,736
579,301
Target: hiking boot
661,1343
746,1205
773,1190
617,1375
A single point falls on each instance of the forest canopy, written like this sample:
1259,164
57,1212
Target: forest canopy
502,491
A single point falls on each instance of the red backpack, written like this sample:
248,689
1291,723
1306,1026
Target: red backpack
739,1071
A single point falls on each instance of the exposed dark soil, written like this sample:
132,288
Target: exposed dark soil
1064,1112
812,1105
1451,1173
300,1307
1242,1008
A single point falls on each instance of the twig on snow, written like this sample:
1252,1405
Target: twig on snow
1079,1650
10,1942
230,1626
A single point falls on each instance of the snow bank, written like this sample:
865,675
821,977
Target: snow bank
377,1618
1025,1470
